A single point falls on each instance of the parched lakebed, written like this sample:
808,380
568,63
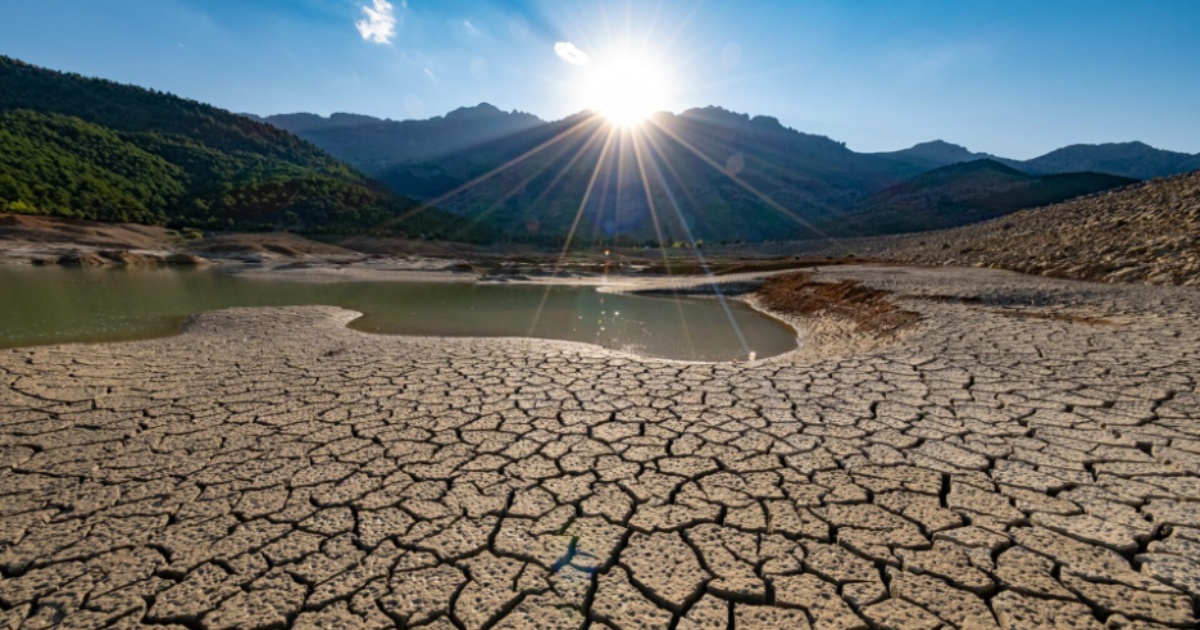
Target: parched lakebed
1026,456
56,305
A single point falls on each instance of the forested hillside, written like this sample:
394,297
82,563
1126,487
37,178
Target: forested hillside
95,149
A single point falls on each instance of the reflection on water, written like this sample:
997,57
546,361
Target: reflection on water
51,305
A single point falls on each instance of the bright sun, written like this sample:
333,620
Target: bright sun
626,89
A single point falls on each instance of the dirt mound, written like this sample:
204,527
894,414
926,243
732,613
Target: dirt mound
871,310
38,229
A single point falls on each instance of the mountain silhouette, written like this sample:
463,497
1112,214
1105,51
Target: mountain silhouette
967,192
706,173
372,144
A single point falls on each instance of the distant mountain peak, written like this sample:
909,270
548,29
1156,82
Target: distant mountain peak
1132,159
715,114
940,145
767,121
764,126
941,149
486,110
482,109
300,122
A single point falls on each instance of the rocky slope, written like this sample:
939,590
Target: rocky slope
1144,233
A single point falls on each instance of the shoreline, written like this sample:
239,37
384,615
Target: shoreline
813,336
694,287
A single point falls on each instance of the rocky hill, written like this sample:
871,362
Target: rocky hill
1144,233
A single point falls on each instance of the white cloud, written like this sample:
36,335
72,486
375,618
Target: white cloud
380,24
571,54
470,27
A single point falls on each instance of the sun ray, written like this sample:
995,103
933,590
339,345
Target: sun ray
664,162
716,287
587,193
846,220
637,151
433,203
567,169
480,217
752,190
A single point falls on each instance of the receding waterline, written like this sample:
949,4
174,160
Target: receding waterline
62,305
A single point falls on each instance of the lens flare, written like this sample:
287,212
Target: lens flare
626,89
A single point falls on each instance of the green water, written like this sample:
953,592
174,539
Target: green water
41,305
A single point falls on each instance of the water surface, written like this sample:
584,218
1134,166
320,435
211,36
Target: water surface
40,305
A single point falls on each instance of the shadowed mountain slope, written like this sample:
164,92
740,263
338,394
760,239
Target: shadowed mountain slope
706,174
965,193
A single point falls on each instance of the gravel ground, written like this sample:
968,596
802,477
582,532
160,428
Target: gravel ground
1028,456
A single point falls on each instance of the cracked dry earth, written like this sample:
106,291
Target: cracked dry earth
270,468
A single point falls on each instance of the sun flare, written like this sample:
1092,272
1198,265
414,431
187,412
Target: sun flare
626,89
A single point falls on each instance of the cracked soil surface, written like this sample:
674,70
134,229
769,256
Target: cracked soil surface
1027,457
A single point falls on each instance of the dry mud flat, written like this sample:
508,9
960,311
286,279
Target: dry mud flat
1028,456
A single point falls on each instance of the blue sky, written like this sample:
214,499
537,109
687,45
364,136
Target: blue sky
1016,78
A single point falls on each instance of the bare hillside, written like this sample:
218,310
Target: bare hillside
1145,233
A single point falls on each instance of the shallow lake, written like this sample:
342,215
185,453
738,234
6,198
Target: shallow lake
41,305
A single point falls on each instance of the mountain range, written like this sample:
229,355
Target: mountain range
709,174
89,148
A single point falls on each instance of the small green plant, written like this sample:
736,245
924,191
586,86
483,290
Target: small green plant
192,234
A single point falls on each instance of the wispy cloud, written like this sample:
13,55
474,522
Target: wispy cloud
571,54
380,24
471,28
